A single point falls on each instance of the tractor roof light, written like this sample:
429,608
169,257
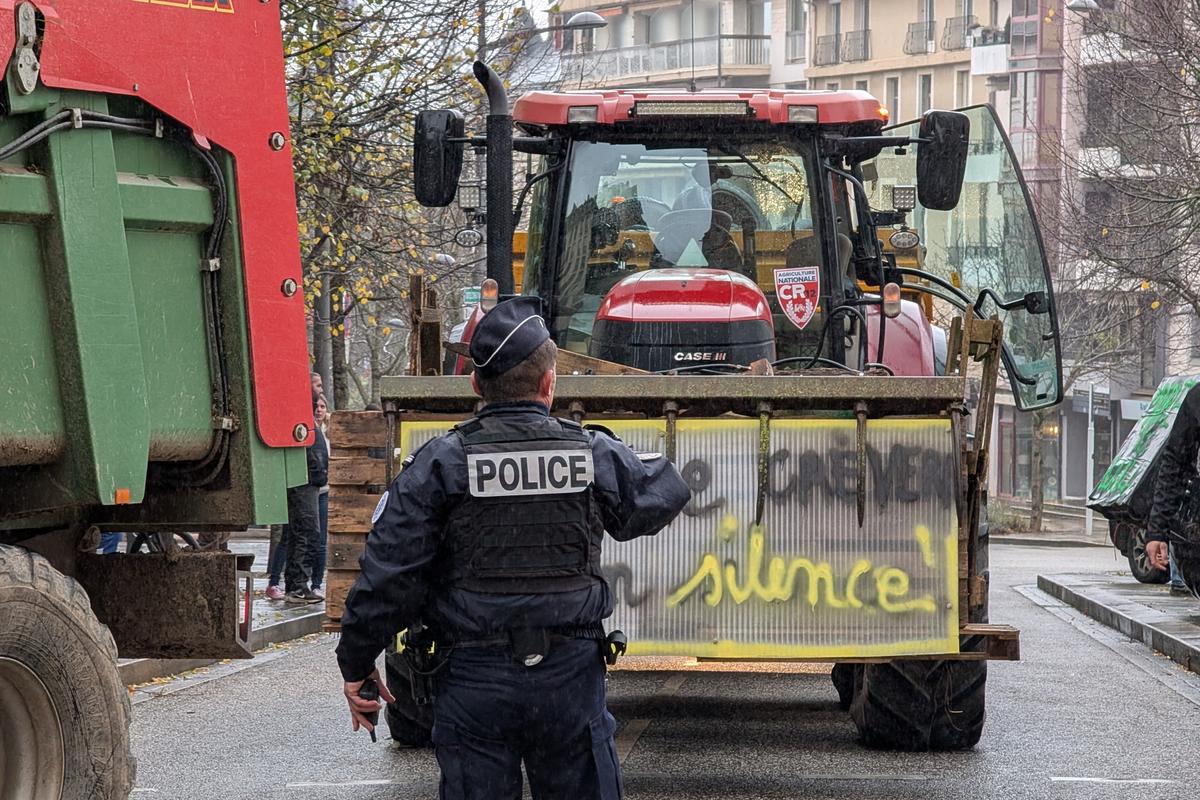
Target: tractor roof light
489,294
891,300
470,196
803,114
582,114
691,108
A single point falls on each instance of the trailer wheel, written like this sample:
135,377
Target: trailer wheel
64,713
410,724
845,677
1139,562
921,705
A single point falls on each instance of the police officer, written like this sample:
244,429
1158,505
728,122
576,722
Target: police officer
491,536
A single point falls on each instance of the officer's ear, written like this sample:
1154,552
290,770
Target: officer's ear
475,384
547,383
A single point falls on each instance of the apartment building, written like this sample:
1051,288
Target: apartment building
705,43
913,55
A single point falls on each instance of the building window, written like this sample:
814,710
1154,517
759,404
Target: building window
924,93
832,86
863,14
893,97
1195,338
962,88
862,86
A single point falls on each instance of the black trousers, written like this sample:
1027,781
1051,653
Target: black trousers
300,536
492,713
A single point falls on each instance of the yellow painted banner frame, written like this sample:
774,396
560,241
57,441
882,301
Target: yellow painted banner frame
646,430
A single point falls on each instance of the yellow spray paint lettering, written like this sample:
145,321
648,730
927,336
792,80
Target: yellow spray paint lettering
743,581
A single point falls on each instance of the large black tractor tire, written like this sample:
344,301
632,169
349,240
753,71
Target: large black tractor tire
64,713
917,705
845,679
410,724
1139,563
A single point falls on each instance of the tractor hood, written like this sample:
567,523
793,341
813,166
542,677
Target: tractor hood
682,294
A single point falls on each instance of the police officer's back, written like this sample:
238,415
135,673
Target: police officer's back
491,536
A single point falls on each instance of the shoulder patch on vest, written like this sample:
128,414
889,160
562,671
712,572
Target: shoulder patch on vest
379,508
648,456
527,472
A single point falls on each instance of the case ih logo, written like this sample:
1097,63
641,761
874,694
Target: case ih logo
797,289
221,6
685,356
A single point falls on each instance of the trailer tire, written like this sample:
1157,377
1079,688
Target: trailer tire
1139,563
63,706
410,724
918,705
845,677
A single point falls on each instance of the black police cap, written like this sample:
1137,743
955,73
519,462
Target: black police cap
507,335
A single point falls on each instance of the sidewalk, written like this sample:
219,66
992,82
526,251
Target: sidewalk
1148,613
1064,538
274,621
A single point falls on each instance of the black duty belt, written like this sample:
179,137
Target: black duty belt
594,632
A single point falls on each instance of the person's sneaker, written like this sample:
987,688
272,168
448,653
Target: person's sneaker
1180,589
319,592
274,592
301,597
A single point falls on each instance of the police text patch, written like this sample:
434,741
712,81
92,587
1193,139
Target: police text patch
529,472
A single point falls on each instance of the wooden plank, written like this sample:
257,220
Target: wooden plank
350,512
337,586
345,550
357,429
357,471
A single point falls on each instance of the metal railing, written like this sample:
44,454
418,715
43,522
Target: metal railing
643,59
797,47
856,46
827,51
957,34
920,37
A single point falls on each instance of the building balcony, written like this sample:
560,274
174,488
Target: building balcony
990,59
708,56
920,37
957,33
828,50
797,47
857,46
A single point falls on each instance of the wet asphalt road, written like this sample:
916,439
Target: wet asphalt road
1086,714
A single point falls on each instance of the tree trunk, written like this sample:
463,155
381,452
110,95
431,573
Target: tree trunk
1037,495
341,389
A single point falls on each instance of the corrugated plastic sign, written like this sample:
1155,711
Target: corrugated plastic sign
805,581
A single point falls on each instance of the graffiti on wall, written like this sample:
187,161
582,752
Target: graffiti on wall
802,580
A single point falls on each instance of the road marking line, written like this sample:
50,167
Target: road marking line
1158,781
321,785
630,734
151,791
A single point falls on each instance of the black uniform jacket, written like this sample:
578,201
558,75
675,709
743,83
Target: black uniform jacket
1177,467
636,496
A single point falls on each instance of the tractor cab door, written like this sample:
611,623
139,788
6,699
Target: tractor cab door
987,251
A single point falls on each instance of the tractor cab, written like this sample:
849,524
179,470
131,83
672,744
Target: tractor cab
706,231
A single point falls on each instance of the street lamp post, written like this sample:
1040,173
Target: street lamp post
1091,452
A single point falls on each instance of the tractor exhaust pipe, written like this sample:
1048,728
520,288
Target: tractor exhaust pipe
498,179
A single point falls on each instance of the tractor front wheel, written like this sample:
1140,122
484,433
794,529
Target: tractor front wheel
918,705
410,724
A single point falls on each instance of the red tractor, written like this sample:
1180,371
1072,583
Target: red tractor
807,309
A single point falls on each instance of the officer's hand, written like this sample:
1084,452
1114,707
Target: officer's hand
1156,552
359,708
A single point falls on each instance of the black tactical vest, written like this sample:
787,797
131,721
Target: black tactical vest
529,522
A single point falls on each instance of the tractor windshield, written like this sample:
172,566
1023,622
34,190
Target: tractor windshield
742,206
988,247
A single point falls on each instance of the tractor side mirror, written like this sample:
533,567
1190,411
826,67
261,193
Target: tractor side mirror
942,158
437,156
